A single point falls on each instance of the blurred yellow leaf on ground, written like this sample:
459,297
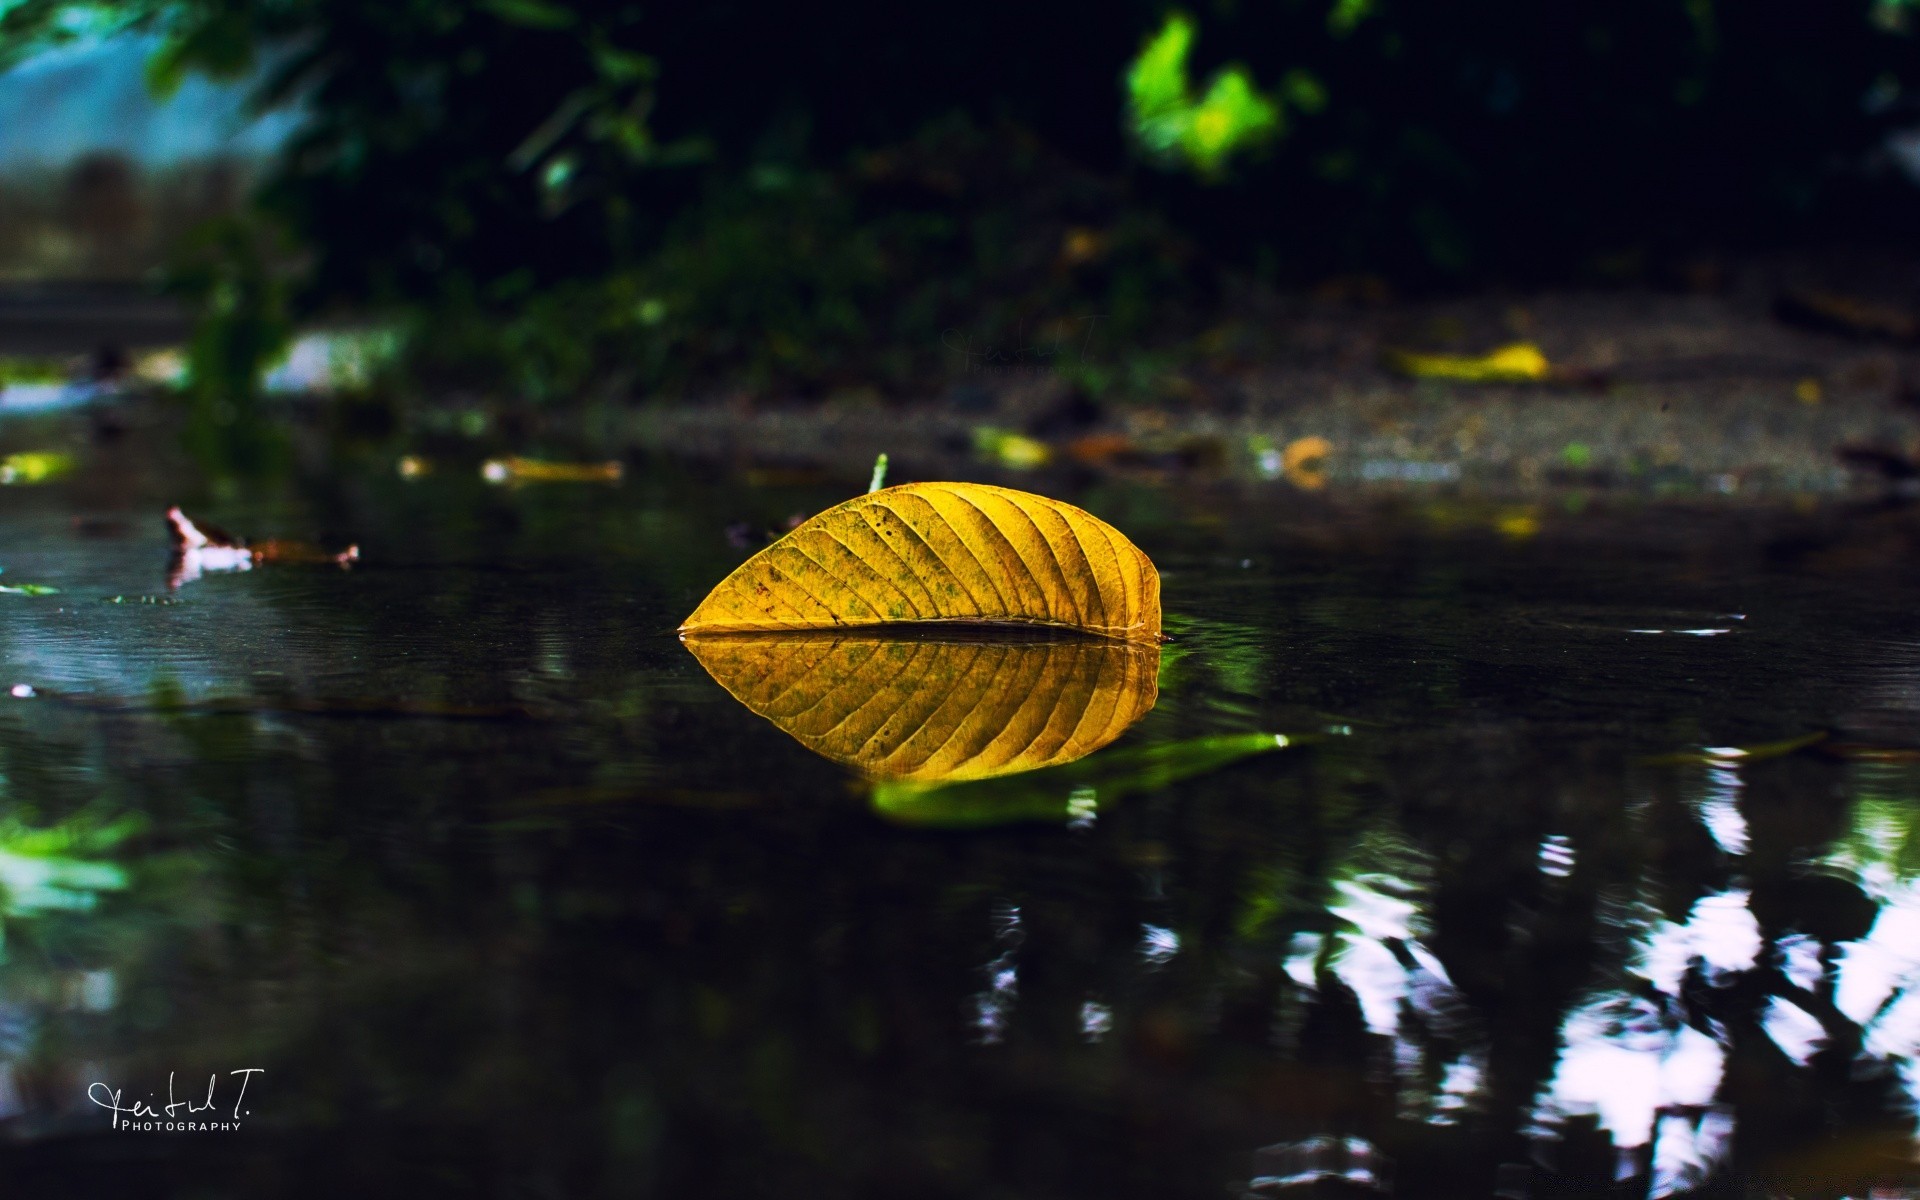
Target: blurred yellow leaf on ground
1521,362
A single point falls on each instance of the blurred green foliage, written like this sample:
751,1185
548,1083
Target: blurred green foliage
592,191
1176,128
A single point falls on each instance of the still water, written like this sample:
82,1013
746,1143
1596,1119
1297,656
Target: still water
1450,848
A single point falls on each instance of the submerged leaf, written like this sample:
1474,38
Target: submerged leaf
1521,362
943,553
1069,792
927,709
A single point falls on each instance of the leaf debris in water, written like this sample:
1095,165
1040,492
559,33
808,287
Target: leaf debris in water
516,470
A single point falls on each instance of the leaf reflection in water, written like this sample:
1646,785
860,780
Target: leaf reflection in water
1072,792
945,708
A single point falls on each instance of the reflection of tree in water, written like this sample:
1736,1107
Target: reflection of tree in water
659,947
66,945
1752,1010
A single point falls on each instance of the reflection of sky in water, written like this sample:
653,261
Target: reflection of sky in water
1636,1052
211,639
1625,1061
1378,955
1720,809
1629,1061
1639,1057
1721,932
1878,984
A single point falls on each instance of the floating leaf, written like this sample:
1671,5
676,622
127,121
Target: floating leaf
1521,362
1014,450
1729,756
534,470
1067,792
943,553
1305,461
34,466
200,548
28,589
938,709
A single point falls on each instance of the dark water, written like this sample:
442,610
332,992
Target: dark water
502,895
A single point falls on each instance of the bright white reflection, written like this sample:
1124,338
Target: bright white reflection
1096,1019
1459,1085
1624,1062
1719,810
1687,1150
1720,931
1290,1166
1799,959
1556,856
1158,944
1795,1030
1878,976
993,1007
1382,976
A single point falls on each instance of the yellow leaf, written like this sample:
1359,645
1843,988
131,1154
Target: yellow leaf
943,553
34,466
1521,362
1014,450
938,709
1305,460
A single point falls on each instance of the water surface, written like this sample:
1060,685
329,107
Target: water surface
1435,868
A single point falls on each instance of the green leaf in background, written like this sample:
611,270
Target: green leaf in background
1069,792
1232,116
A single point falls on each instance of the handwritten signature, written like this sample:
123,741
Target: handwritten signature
174,1114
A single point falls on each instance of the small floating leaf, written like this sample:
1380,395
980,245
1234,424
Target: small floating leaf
943,553
198,548
1521,362
952,708
1305,461
1014,450
1728,756
1067,792
28,589
34,466
534,470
